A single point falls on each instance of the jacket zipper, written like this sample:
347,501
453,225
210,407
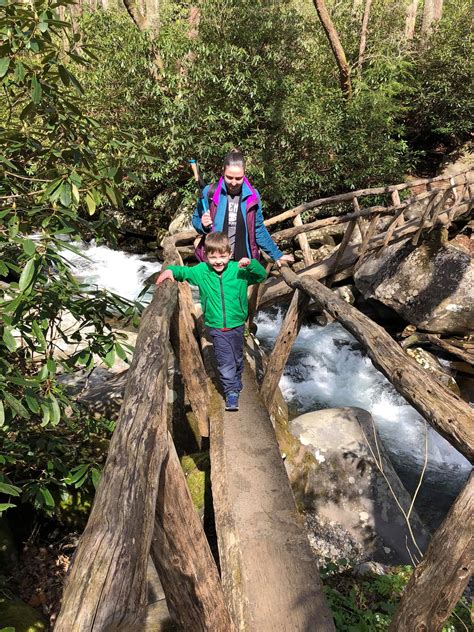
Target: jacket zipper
222,299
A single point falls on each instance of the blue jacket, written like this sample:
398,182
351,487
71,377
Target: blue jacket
251,208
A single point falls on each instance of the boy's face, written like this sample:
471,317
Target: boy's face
218,260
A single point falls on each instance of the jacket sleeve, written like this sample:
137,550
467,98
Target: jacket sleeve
201,207
262,236
255,272
183,273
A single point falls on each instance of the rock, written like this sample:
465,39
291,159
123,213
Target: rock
335,478
18,615
325,235
181,222
430,285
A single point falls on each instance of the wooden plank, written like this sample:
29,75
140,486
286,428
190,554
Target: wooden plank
269,572
303,242
439,581
446,412
182,556
286,336
255,294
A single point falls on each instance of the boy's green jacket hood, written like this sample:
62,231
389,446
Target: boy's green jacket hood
223,296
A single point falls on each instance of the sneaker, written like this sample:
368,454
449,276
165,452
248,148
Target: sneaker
232,401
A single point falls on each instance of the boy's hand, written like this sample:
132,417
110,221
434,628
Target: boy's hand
285,259
166,275
244,262
206,219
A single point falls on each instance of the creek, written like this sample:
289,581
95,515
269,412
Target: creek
327,368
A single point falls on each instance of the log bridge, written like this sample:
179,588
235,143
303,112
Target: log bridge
268,578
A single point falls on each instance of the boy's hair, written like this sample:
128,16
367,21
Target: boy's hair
217,242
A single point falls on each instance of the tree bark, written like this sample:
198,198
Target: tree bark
410,20
135,12
286,337
336,46
432,12
106,585
438,582
363,34
446,412
182,556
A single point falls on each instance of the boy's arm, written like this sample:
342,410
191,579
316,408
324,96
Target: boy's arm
255,272
180,273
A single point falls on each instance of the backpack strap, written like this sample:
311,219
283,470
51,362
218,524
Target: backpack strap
210,204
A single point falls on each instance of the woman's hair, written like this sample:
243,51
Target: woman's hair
217,242
234,158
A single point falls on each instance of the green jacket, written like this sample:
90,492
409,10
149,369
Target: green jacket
223,296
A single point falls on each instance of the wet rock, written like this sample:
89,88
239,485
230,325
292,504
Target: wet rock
336,479
430,285
431,364
18,615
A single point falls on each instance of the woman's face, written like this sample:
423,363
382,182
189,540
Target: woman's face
233,177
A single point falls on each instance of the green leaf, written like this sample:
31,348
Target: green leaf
120,351
33,404
95,475
91,205
51,364
4,507
29,247
75,193
9,340
36,90
48,499
76,474
2,413
4,64
27,275
65,195
63,73
38,332
55,411
110,358
16,405
46,415
11,490
76,84
3,269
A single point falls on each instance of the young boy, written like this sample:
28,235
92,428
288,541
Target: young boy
223,288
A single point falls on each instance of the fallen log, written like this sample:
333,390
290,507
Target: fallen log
106,585
447,413
439,580
182,557
421,338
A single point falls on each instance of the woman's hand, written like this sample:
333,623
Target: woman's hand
206,219
244,262
285,259
166,275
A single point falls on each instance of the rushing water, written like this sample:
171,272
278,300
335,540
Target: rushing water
327,368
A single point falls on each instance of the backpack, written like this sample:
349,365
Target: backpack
199,250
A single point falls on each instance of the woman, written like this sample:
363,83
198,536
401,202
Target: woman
233,206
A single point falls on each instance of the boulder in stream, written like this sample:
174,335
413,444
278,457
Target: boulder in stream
430,285
352,508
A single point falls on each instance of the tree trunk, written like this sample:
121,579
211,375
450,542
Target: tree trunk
137,15
363,34
438,582
182,556
336,46
410,20
106,585
446,412
432,12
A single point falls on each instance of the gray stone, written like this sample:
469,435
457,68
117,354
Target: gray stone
431,286
180,222
343,486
